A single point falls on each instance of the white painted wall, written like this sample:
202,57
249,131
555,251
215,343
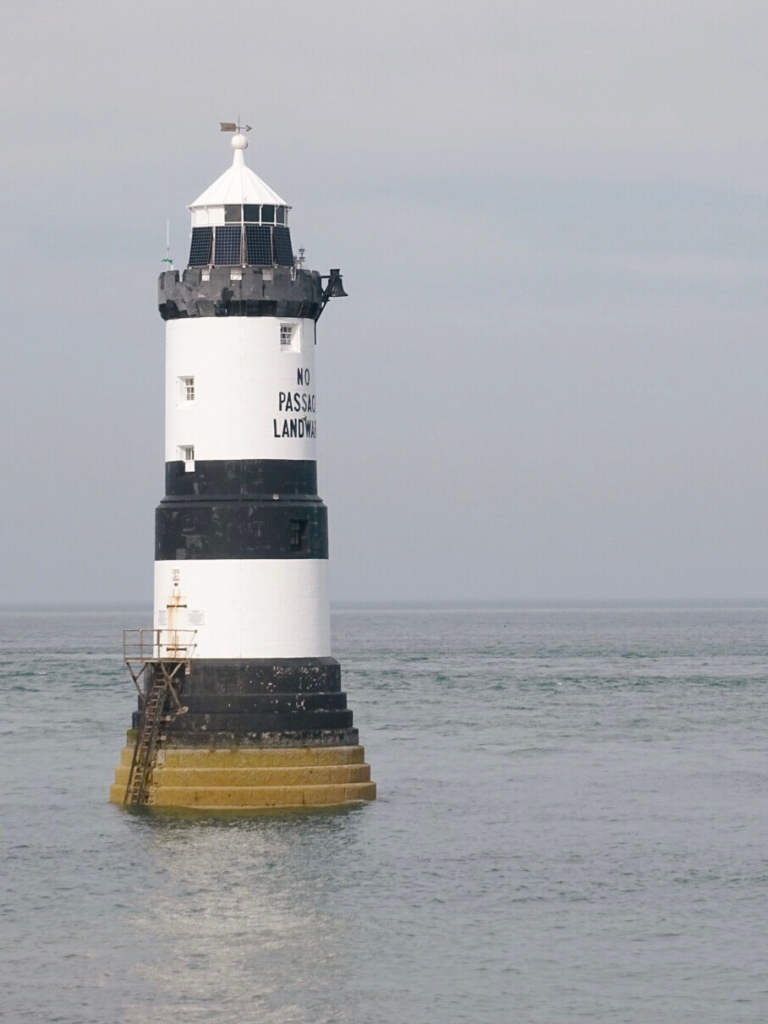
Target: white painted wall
250,608
240,369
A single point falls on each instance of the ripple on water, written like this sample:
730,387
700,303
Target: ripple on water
570,828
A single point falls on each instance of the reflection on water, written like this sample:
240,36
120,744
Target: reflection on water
256,904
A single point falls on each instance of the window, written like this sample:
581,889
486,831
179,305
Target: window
286,335
281,215
233,214
251,213
187,456
298,534
186,389
267,215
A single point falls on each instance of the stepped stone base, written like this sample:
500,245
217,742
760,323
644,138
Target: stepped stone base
240,778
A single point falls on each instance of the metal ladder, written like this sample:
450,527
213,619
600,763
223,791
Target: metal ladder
161,656
154,713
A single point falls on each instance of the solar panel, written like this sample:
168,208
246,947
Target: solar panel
258,243
200,251
227,246
283,250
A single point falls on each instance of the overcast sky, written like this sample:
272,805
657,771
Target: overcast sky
549,379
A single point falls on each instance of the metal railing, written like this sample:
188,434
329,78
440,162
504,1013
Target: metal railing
148,645
144,648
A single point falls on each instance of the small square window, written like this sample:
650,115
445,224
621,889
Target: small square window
186,389
287,332
298,534
187,455
267,215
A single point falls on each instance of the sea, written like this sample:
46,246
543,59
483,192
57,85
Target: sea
572,825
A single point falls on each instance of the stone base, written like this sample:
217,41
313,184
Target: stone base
240,778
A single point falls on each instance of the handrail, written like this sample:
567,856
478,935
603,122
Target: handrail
148,645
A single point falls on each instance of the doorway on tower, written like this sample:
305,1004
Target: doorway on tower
298,534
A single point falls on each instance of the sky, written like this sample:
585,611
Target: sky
549,380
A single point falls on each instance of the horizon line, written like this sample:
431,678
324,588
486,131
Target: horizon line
415,603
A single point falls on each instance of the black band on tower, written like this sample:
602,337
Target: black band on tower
250,508
234,528
264,702
241,676
244,478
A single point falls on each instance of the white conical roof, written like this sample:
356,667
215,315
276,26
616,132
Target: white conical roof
238,184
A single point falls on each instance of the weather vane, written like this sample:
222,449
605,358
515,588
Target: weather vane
231,126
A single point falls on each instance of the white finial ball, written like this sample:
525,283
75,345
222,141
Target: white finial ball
239,141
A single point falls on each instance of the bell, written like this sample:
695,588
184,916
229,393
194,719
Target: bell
335,288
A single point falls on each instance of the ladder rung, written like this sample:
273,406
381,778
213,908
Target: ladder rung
150,734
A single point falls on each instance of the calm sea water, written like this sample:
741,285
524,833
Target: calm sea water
572,826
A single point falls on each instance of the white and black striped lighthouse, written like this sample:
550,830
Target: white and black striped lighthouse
253,713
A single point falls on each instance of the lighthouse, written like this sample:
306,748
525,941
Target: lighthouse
240,702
